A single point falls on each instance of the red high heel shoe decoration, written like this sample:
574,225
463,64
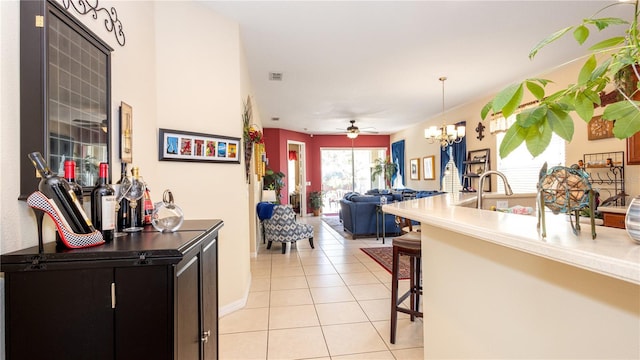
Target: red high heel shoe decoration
41,205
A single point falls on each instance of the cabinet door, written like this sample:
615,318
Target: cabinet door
633,150
210,297
144,304
187,316
63,314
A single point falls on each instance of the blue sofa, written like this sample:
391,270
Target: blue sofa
358,212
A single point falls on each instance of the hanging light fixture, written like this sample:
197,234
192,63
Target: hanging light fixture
353,130
446,134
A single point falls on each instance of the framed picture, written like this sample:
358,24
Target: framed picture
428,167
414,169
126,133
176,145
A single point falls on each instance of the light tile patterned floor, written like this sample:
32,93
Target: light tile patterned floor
331,302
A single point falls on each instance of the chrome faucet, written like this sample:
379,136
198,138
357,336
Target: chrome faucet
507,187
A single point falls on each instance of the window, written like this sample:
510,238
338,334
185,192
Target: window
451,180
345,170
522,170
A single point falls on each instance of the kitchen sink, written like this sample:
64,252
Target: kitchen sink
499,201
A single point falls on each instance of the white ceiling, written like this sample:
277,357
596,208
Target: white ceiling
379,62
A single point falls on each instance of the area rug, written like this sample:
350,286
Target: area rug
384,257
334,222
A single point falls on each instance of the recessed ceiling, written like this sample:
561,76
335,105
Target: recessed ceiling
379,62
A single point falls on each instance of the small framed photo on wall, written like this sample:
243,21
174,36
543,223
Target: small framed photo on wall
414,169
126,133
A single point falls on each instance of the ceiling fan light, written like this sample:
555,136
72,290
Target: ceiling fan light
352,135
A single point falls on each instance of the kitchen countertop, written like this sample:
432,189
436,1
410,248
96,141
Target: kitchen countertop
613,209
613,253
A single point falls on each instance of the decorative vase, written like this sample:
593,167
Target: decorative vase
632,220
167,216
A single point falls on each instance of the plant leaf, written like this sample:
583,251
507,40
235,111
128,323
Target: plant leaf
592,96
584,107
512,140
531,117
485,110
535,89
551,38
627,117
581,33
602,68
587,69
513,104
561,123
607,43
602,23
538,138
543,82
504,96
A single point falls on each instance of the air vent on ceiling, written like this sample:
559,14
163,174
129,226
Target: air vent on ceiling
275,119
275,76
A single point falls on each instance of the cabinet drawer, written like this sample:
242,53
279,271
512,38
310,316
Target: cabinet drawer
614,220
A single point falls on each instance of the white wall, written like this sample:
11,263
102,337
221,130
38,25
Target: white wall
181,68
416,146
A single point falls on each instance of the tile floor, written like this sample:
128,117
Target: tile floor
331,302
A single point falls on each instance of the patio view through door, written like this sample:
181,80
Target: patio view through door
345,170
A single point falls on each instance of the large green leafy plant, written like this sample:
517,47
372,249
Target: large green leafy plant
385,168
551,114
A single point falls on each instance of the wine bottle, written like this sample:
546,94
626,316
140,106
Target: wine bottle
62,196
70,176
125,209
137,214
148,207
103,202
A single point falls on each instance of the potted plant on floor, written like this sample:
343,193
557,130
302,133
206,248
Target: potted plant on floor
535,125
316,202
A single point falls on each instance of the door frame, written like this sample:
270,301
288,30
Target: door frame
302,161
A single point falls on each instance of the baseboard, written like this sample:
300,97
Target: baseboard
236,305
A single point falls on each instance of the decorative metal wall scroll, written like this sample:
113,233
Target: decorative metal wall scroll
111,22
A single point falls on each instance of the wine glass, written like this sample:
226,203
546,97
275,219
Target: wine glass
135,193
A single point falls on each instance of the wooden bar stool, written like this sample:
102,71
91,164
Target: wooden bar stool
408,244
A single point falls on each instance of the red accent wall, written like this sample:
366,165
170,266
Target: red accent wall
275,142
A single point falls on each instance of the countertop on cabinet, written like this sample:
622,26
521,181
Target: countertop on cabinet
613,253
613,209
147,245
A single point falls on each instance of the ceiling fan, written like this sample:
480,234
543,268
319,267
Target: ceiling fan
353,131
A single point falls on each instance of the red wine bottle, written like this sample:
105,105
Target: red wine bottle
125,209
70,176
62,196
148,206
103,205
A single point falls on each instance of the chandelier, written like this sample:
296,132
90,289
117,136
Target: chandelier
446,134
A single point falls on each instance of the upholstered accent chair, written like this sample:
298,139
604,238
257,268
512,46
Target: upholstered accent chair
283,227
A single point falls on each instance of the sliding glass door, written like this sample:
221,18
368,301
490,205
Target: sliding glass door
346,170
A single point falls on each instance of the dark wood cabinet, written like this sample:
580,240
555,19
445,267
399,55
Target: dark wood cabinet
144,296
633,149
